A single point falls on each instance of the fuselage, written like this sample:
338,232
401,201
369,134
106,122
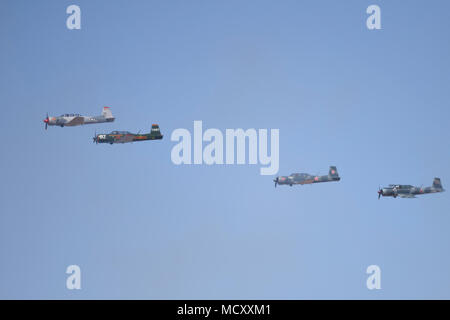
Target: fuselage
407,191
304,178
71,120
125,137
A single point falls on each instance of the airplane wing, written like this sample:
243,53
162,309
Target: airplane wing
406,196
75,121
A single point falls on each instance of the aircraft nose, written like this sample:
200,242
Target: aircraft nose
46,120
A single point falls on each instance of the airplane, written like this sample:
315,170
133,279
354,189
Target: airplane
125,136
408,191
71,120
305,178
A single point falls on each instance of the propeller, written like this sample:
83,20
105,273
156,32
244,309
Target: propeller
380,192
46,121
276,181
95,140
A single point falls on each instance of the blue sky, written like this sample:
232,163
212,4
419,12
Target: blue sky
373,103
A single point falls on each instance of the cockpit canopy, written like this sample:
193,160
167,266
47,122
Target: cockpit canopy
300,175
70,115
401,186
120,132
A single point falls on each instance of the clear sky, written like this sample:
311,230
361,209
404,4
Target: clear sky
373,103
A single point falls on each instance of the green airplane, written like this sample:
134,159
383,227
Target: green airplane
125,136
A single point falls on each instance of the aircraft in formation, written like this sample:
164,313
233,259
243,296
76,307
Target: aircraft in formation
393,190
71,120
125,136
408,191
306,178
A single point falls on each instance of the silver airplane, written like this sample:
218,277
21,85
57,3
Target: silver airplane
408,191
305,178
71,120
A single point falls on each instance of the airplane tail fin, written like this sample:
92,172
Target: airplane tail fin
437,183
155,130
107,113
333,172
